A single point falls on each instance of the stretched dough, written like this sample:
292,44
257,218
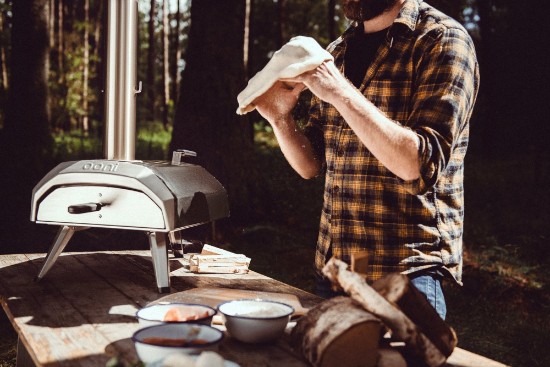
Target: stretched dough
299,55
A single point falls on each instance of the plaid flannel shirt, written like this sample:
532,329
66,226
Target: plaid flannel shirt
424,77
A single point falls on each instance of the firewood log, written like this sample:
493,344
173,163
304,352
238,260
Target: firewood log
390,357
399,290
338,332
419,349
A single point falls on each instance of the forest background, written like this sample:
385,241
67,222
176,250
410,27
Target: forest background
194,58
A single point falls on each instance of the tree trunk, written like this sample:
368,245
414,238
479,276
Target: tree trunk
246,38
60,42
3,58
281,23
165,62
176,54
86,67
205,120
25,141
331,24
51,22
151,61
338,332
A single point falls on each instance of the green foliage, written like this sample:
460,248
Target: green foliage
153,141
151,144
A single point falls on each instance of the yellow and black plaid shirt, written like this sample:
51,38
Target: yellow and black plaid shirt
424,77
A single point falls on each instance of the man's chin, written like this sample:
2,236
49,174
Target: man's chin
364,10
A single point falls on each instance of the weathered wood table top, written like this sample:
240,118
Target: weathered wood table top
82,312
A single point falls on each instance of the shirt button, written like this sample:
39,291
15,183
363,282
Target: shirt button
340,152
335,189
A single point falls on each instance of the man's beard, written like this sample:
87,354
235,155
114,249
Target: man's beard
361,10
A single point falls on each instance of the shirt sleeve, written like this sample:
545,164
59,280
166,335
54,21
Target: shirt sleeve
446,87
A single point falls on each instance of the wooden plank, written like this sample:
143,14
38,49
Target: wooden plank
464,358
51,330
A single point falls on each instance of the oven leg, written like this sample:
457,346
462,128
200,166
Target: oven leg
159,253
61,239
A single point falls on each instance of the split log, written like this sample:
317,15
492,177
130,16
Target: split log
338,332
390,357
420,350
399,290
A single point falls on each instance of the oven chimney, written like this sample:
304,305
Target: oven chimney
119,139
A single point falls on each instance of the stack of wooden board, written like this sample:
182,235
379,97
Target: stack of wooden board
216,260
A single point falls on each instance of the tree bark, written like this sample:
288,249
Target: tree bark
151,61
3,58
338,332
281,23
25,140
60,42
165,62
331,24
86,67
51,22
176,54
205,119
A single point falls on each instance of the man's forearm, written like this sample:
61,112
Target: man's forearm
394,146
296,148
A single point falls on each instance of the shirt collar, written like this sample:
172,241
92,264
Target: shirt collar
408,16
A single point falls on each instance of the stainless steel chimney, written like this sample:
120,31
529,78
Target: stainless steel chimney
121,76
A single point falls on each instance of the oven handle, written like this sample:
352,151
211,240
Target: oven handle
85,208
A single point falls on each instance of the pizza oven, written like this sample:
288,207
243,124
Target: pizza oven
159,198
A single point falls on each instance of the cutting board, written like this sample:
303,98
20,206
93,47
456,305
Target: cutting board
213,296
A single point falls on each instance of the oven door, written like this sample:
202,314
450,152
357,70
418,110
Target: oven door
100,206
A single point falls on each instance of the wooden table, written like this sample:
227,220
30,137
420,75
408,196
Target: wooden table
82,312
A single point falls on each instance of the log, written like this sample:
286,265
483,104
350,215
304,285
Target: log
399,290
338,332
419,349
390,357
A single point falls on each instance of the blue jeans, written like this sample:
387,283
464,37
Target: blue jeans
430,285
427,283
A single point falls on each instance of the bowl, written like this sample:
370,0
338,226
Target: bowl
255,320
156,342
175,313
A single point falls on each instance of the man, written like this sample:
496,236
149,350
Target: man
388,125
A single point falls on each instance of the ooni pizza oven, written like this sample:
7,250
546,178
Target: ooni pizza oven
157,197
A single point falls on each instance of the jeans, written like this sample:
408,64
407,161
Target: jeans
430,285
427,283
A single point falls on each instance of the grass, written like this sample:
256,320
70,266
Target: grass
501,311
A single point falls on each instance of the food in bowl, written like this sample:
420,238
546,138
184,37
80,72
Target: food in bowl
205,359
255,320
175,312
156,342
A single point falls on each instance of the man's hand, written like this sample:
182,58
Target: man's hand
325,81
277,103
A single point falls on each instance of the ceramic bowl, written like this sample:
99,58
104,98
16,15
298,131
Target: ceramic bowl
156,342
175,313
255,320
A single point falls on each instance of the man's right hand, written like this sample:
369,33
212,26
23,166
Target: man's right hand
277,103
